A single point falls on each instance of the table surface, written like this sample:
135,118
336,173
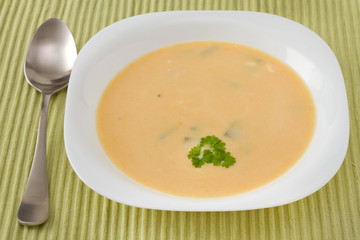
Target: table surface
79,213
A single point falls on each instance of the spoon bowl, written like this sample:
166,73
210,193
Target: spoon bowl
48,64
50,57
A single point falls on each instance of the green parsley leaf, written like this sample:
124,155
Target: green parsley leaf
213,142
194,152
208,156
219,146
215,155
197,162
218,158
228,160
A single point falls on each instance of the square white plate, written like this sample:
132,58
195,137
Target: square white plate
117,45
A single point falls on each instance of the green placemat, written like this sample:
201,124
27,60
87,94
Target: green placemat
79,213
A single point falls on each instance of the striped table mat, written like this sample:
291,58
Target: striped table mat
79,213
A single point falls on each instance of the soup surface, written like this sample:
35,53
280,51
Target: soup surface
158,107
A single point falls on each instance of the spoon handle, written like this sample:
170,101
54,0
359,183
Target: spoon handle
34,207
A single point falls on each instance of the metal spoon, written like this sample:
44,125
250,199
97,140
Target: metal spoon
49,60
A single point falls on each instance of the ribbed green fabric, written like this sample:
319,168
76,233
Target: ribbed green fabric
79,213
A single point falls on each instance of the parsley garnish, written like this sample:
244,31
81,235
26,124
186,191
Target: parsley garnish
211,150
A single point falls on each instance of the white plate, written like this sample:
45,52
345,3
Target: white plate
117,45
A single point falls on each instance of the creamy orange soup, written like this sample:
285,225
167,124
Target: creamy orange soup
158,107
